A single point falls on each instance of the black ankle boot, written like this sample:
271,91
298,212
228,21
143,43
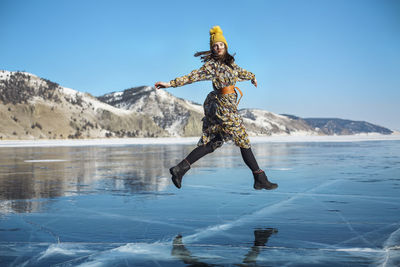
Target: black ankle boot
261,181
178,171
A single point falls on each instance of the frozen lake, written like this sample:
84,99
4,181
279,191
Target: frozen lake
338,204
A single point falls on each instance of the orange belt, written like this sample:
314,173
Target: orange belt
230,90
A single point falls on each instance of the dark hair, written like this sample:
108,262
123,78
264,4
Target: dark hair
227,58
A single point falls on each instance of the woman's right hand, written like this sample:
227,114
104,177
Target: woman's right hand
159,85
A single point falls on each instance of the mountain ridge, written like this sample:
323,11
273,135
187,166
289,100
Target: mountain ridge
36,108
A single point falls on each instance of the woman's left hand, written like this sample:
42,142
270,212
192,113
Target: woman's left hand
254,82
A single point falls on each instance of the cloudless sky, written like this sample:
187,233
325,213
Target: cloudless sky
312,58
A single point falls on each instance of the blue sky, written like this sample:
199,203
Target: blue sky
312,58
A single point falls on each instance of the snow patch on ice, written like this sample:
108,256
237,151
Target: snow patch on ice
64,249
44,160
280,169
391,244
147,251
368,250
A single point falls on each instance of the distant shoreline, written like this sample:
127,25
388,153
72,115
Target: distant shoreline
192,140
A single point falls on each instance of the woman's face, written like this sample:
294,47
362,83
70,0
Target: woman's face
219,48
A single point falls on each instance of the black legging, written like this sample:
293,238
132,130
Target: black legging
249,159
201,151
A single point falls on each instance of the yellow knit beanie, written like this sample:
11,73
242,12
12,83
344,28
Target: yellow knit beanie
216,36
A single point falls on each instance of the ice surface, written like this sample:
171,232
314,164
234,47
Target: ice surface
193,140
114,205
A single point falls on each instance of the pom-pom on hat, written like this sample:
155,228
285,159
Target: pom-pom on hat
216,36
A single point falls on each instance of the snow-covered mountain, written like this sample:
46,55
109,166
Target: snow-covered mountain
179,117
33,107
262,122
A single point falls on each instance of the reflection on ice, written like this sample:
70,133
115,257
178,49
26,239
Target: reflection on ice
77,171
260,239
46,172
337,205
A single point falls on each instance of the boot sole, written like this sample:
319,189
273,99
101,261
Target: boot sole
260,187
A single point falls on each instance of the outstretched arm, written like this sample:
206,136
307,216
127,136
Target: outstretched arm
244,75
204,73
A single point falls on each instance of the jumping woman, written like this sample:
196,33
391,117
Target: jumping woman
221,122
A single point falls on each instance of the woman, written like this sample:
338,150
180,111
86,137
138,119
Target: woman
222,121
